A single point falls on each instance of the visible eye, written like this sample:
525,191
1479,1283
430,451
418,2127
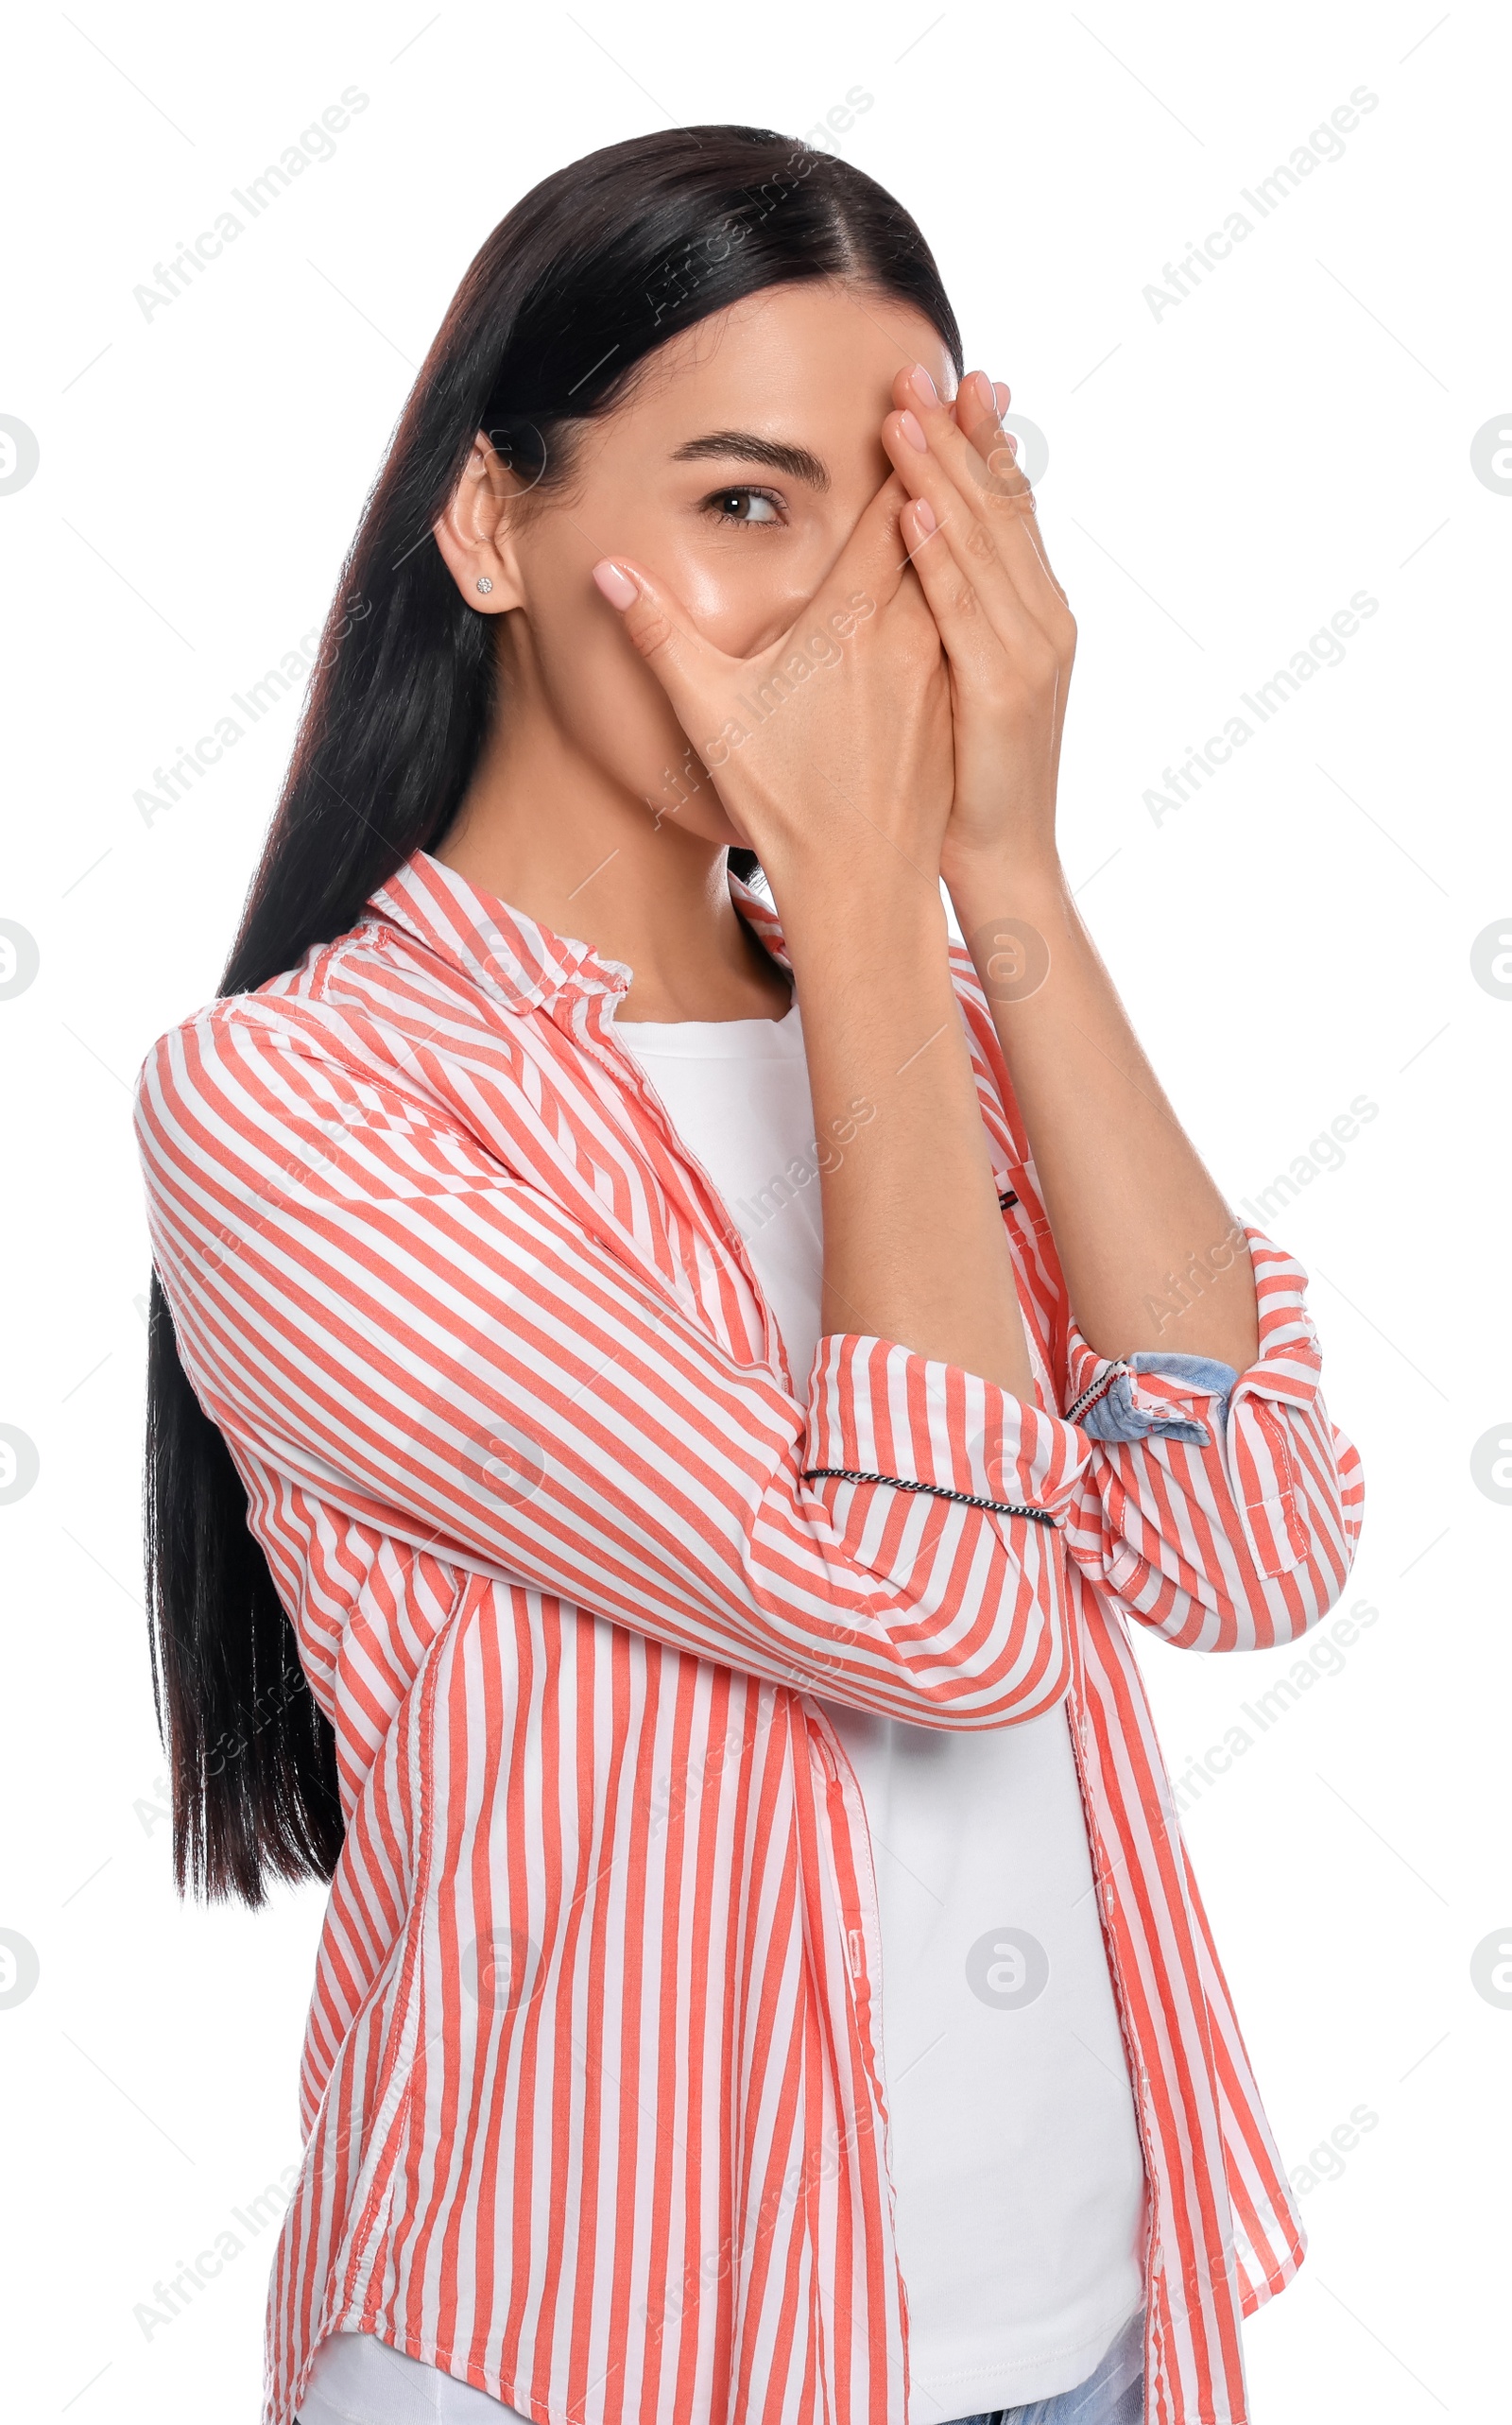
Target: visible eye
744,506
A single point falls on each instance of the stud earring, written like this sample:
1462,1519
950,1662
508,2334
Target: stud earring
485,585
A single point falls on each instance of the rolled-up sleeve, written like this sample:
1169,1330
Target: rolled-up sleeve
1221,1509
1126,1406
374,1308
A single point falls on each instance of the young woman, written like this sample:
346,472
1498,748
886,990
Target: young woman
667,1395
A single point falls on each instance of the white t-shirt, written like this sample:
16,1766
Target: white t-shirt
1017,2178
358,2380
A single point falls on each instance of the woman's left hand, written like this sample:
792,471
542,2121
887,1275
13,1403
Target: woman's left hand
1008,631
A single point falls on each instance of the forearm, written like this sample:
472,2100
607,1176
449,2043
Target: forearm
914,1249
1145,1239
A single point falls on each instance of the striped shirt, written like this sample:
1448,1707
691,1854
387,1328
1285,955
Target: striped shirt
594,2107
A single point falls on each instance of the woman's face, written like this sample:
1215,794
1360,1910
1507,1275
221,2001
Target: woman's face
734,473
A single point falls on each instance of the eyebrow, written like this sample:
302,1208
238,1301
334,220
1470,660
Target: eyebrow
743,446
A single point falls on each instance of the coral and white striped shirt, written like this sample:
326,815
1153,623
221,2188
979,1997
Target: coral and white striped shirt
594,2115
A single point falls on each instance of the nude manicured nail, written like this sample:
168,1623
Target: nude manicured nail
924,515
1002,395
617,587
922,384
914,432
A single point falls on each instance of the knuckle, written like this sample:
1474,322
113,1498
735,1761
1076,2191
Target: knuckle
650,630
1004,480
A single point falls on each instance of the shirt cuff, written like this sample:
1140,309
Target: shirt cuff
879,1413
1130,1407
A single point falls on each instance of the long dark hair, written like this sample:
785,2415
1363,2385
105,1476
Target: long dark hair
598,266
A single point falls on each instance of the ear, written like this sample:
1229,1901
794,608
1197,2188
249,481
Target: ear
473,533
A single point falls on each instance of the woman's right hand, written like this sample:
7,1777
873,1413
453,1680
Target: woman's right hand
832,753
831,748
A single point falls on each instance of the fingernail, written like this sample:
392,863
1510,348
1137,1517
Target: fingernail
986,392
1010,441
922,384
924,512
914,432
617,587
1002,395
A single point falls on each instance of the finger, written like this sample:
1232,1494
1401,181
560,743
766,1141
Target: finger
977,408
695,675
873,560
980,404
1006,477
983,467
964,534
1024,681
994,652
982,457
992,392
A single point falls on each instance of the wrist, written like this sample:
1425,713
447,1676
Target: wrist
999,883
864,908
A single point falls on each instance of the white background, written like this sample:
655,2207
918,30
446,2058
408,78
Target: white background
1222,478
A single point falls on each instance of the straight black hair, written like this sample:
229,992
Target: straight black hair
595,269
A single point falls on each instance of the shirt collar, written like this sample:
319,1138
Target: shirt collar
526,964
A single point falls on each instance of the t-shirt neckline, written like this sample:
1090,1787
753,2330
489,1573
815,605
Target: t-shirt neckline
715,1039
